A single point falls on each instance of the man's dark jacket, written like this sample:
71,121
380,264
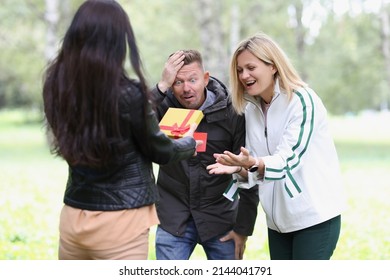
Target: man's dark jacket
186,188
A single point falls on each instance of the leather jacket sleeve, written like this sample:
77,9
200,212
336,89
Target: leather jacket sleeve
158,147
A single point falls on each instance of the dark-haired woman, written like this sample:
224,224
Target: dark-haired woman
102,124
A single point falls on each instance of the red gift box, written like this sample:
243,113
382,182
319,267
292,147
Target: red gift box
177,121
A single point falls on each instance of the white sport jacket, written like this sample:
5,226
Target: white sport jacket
302,184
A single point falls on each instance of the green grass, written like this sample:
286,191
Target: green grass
33,181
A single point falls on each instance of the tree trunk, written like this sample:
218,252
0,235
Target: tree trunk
212,38
235,27
300,33
52,19
385,36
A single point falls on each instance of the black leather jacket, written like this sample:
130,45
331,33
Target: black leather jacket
186,188
130,182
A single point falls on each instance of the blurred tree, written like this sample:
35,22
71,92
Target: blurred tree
161,27
345,62
343,55
52,19
297,9
20,52
213,37
385,42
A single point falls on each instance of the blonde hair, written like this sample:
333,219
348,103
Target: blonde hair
268,51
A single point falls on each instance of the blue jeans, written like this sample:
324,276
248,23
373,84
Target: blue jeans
171,247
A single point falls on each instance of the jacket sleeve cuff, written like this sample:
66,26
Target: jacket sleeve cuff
247,212
159,91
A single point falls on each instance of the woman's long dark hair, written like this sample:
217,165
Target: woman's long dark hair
83,84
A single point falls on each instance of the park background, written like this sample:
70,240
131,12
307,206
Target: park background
340,47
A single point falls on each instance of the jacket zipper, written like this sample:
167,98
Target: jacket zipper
269,153
266,137
265,126
267,144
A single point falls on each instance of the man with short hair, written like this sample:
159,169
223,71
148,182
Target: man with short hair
192,208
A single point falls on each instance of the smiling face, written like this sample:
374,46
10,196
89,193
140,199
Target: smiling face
256,76
189,85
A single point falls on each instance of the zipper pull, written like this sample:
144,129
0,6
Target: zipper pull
265,132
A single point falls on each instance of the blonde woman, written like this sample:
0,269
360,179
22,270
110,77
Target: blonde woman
289,152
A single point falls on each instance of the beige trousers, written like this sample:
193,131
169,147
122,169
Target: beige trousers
105,235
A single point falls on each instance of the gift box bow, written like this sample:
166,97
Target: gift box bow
178,130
